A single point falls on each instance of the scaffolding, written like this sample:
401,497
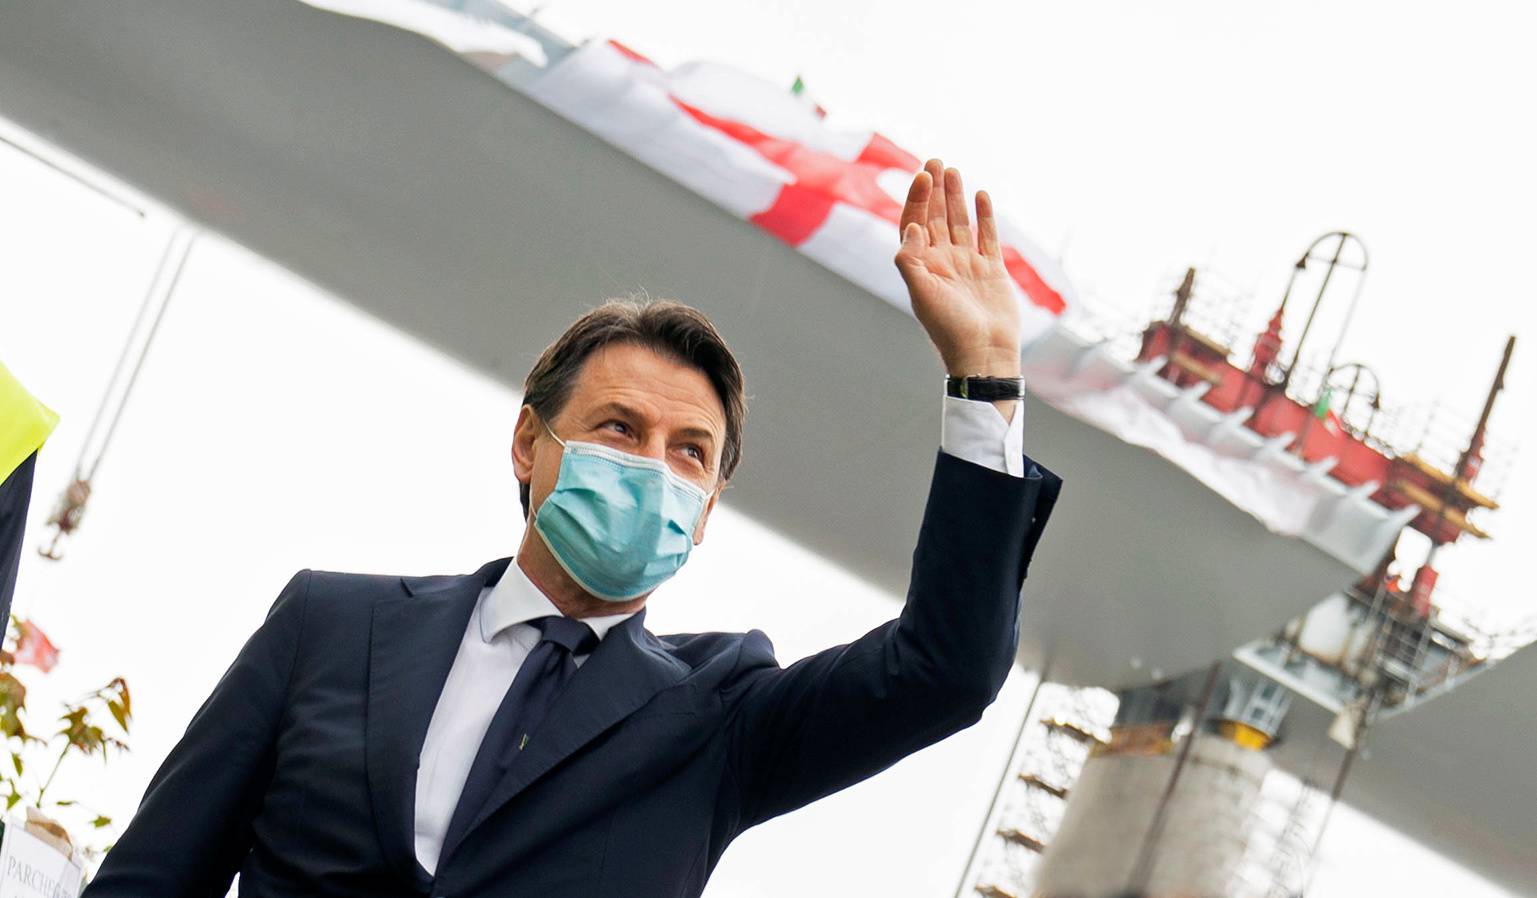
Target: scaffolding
1061,729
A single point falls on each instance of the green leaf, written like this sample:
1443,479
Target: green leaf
101,820
13,701
119,713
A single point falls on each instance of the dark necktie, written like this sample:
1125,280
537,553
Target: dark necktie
538,682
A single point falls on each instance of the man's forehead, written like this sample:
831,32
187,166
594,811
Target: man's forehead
647,382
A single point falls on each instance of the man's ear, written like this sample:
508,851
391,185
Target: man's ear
523,437
704,516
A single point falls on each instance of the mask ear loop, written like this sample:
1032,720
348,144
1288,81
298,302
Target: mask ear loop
549,430
534,516
533,519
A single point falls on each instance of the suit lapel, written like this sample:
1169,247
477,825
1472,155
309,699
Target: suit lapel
414,640
623,673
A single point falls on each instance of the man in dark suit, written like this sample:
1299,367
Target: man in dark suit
517,731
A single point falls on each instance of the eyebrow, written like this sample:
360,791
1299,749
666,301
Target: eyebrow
698,433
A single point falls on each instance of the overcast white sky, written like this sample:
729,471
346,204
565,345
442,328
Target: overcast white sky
1132,140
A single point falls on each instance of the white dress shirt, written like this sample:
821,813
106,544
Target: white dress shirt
499,637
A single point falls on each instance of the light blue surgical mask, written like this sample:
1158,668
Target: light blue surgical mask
619,524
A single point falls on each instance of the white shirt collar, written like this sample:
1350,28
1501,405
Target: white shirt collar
516,600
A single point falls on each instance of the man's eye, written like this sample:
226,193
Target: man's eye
695,451
619,426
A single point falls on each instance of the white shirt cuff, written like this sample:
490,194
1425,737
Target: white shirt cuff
977,432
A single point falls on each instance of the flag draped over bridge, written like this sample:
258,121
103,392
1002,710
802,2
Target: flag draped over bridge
761,151
764,154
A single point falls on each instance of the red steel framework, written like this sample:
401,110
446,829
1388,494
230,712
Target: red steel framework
1266,391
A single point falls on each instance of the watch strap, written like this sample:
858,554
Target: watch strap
985,389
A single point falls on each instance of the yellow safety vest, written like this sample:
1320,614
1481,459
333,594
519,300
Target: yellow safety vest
24,423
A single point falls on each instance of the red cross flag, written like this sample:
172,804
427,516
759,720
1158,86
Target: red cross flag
764,154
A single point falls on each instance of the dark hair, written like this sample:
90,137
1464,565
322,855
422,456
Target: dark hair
669,328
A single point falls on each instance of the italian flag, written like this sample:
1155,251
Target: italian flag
1323,410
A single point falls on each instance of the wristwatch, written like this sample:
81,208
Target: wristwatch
985,389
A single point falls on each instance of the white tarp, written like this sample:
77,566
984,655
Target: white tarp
1292,498
487,44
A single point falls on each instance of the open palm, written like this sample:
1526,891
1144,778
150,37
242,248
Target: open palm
956,278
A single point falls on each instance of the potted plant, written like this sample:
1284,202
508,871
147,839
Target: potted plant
95,725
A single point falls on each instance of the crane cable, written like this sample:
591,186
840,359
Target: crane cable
70,507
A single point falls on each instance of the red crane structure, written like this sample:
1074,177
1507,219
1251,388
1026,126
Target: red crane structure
1339,421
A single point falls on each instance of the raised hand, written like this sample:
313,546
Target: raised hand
956,279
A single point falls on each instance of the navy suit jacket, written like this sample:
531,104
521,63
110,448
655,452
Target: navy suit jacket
299,771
